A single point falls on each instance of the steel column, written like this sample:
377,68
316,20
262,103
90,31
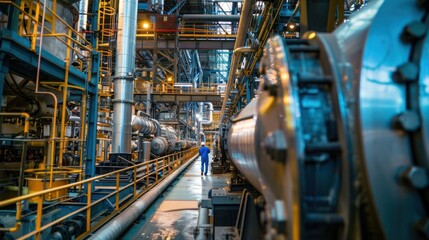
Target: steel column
4,69
91,137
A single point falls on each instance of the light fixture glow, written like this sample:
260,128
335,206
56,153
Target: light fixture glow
145,25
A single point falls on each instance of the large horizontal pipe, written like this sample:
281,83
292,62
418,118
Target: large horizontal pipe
211,18
114,228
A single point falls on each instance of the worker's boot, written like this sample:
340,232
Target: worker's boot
201,173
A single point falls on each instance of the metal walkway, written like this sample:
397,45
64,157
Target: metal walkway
175,216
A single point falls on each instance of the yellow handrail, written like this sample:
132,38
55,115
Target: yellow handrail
34,34
164,164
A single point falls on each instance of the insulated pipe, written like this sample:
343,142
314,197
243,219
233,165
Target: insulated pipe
243,26
203,223
123,86
83,15
210,18
51,145
74,119
114,228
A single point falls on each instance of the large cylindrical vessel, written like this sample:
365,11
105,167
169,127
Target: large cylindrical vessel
242,144
54,45
339,116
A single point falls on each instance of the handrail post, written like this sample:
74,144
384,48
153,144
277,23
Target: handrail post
164,165
88,210
117,192
147,176
156,171
35,27
39,216
135,181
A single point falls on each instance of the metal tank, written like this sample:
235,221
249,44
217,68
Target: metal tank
51,44
337,140
146,150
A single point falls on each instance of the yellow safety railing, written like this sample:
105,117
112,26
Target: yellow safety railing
209,88
191,31
75,46
141,174
30,23
106,24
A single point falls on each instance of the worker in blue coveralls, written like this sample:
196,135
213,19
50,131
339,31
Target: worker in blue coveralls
204,153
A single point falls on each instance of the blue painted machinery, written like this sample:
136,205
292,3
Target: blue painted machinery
336,141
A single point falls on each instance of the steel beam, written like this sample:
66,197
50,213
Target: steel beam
183,97
4,70
51,67
319,15
199,44
210,18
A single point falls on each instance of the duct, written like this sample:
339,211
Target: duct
83,15
243,26
115,228
210,18
123,81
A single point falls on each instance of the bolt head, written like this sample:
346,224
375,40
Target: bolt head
417,177
275,145
414,31
407,72
408,121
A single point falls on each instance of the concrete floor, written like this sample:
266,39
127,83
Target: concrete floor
177,214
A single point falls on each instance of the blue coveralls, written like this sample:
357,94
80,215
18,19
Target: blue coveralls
204,153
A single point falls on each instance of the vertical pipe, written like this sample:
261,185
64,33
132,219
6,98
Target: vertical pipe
64,106
82,134
83,15
124,80
148,84
51,146
243,26
93,76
